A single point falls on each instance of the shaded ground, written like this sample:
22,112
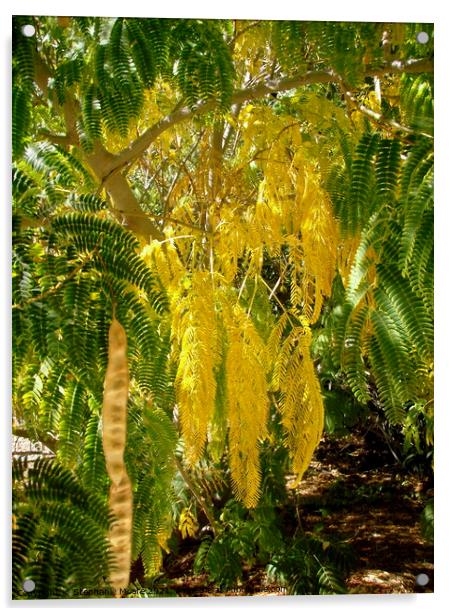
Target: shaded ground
353,492
376,508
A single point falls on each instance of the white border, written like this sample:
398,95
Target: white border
383,10
327,10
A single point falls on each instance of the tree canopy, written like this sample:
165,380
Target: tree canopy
251,203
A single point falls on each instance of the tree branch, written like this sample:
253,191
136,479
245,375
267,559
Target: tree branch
105,165
58,285
110,169
69,108
374,116
125,205
183,114
229,131
51,442
55,139
379,118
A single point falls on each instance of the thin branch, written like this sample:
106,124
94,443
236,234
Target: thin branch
70,107
237,35
58,285
230,130
183,114
253,296
193,489
175,237
374,116
104,164
216,159
176,177
179,222
56,139
283,308
273,291
381,120
191,180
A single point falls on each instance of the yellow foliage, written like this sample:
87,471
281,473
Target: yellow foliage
269,202
164,260
294,376
247,402
293,209
188,525
249,37
346,256
156,538
194,330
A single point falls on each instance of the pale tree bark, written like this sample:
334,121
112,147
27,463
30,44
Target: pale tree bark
102,163
126,207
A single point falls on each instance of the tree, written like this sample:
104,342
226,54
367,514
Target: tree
215,193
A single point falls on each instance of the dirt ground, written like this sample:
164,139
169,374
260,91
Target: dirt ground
360,496
376,508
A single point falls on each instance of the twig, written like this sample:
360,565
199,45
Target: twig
374,116
253,296
378,118
57,286
280,304
176,177
193,489
237,35
176,221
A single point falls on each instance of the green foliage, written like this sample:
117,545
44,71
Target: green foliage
311,565
121,58
21,119
118,90
287,37
427,521
221,560
204,65
417,102
242,537
344,47
23,76
61,280
385,322
59,531
245,538
64,168
342,411
151,431
79,268
93,469
112,251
